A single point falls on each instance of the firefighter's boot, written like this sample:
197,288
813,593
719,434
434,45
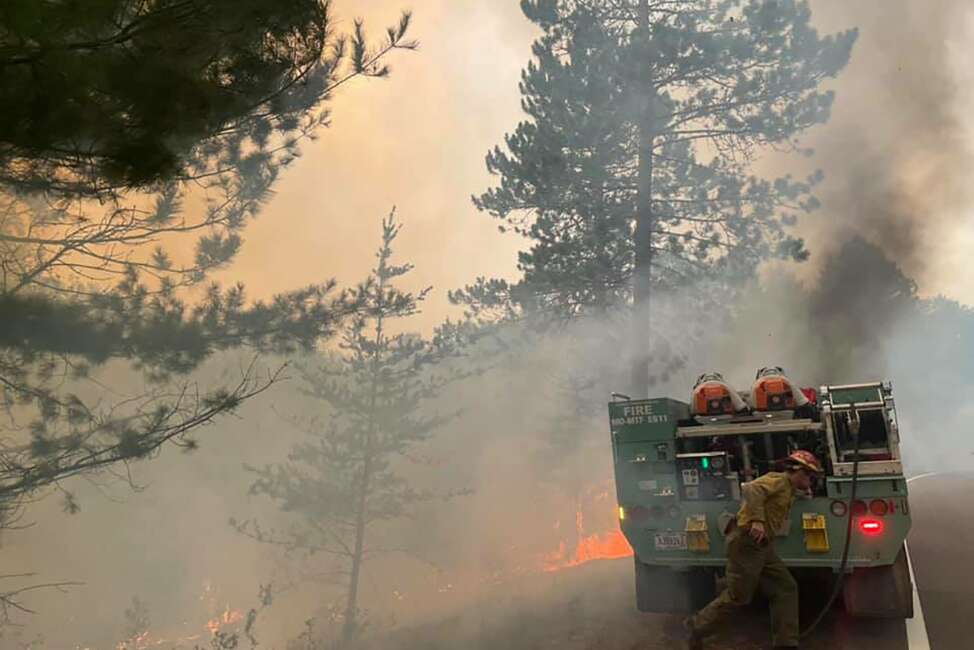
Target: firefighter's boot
692,639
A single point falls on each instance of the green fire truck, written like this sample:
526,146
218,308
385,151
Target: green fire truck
679,480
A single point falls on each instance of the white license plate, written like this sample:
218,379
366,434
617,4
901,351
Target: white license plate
671,541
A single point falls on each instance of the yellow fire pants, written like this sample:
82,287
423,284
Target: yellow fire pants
749,566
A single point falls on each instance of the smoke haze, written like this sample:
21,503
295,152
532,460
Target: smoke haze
898,147
896,203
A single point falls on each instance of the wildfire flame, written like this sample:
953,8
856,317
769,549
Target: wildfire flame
609,546
228,617
138,642
606,546
144,641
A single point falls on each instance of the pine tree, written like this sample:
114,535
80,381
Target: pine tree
106,95
134,131
49,348
632,172
343,483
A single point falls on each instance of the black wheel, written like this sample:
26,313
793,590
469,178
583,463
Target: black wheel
880,592
663,590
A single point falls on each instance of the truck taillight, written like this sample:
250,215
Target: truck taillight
878,507
839,508
871,527
859,508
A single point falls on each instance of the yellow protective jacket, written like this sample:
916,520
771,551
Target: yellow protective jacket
767,499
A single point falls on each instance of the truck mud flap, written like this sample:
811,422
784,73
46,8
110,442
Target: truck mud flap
880,592
662,590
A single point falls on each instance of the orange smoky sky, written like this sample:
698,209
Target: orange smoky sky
415,141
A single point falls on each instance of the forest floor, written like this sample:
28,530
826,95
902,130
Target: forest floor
580,608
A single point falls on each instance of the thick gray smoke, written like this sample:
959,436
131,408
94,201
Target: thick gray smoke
897,151
896,156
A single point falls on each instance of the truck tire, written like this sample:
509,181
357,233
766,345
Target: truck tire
662,590
880,592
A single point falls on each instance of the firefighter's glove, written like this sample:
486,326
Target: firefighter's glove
757,532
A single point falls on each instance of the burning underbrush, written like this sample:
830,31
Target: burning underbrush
576,562
610,545
226,625
596,534
218,625
586,565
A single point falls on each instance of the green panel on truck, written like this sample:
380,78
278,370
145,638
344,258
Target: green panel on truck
645,420
867,486
864,395
643,445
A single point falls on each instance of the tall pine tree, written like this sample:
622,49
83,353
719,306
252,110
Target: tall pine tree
632,171
344,483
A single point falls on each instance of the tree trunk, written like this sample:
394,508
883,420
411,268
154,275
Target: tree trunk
350,626
645,222
602,293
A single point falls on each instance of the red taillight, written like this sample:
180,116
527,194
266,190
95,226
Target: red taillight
859,508
871,527
878,507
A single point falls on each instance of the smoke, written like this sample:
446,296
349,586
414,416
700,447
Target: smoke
532,441
897,150
158,530
894,225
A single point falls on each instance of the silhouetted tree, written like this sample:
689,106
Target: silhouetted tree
113,94
632,172
343,483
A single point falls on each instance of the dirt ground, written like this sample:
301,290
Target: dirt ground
582,608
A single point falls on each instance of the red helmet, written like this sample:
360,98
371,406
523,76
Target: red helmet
805,460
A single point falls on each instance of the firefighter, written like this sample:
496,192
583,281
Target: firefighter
751,558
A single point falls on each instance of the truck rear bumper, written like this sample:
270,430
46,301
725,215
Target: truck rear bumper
680,564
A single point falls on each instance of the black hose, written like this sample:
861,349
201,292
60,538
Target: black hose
840,578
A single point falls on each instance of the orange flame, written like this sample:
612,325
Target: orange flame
610,546
228,617
144,641
607,546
